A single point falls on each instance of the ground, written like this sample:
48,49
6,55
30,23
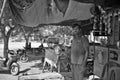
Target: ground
26,70
29,68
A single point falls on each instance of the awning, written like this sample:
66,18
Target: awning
39,12
35,12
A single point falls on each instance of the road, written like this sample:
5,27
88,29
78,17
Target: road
28,70
32,67
25,67
31,70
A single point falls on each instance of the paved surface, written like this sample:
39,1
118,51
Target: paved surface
26,69
32,69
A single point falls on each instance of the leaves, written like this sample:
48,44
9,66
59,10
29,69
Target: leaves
23,4
63,30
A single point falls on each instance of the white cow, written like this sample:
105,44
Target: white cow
51,57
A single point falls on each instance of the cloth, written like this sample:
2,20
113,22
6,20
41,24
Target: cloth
62,5
78,50
31,13
78,71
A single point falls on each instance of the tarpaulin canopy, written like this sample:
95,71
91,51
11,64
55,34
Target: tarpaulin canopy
46,12
34,12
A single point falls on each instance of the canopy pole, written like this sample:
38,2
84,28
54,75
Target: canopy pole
2,8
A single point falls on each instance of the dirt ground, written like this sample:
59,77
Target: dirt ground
29,68
26,70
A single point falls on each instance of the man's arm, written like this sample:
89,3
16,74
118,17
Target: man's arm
86,53
86,46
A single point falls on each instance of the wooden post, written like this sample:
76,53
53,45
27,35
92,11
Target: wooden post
119,22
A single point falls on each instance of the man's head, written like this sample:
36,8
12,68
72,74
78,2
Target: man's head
77,29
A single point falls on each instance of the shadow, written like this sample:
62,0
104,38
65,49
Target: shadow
85,1
25,70
68,22
40,66
37,65
5,72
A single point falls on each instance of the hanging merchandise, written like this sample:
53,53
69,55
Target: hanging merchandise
102,24
96,26
108,25
97,21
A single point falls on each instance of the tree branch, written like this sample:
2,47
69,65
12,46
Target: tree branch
2,8
11,29
2,29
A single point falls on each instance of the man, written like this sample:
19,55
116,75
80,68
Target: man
79,53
